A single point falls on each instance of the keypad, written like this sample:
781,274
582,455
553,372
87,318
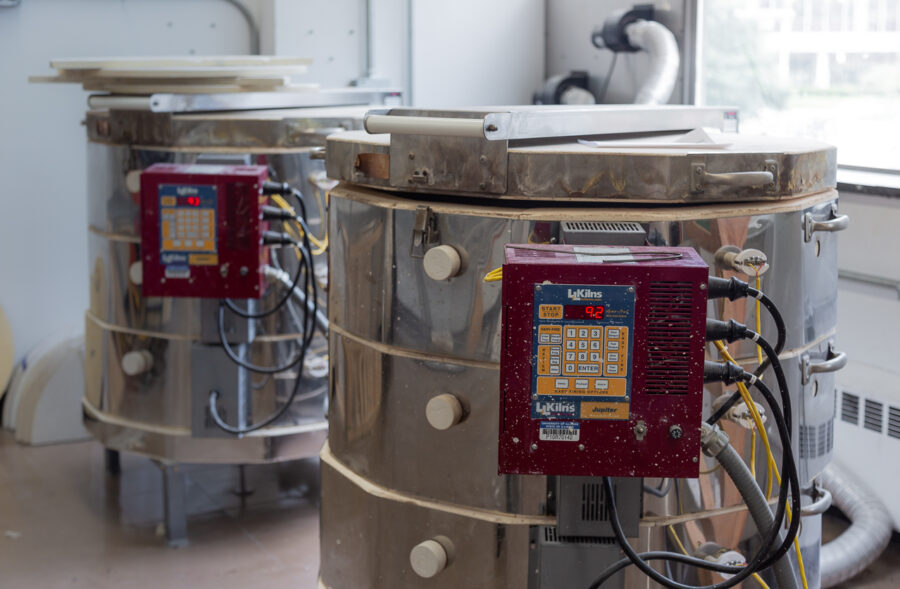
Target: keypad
188,229
569,356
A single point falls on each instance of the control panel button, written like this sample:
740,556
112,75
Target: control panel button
612,357
550,312
595,345
614,345
570,356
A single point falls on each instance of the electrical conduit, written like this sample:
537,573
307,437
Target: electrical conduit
715,443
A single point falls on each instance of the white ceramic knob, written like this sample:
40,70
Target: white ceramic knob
443,411
137,362
133,181
441,262
428,558
136,273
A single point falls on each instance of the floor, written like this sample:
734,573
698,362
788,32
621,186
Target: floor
65,523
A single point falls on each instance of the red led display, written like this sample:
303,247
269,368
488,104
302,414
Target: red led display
585,312
189,201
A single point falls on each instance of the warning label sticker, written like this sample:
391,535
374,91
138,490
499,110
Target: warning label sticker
560,431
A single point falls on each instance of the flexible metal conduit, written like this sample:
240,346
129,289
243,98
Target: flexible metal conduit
660,45
716,444
865,539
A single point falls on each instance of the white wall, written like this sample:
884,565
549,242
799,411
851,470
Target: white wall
477,53
331,32
43,233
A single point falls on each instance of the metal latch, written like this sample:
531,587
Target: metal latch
424,233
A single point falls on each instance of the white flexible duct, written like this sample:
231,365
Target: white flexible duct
865,539
660,45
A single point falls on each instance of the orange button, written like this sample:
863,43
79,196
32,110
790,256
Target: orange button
550,329
167,201
586,386
550,312
203,259
543,359
602,410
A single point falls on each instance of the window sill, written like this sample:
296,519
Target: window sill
868,181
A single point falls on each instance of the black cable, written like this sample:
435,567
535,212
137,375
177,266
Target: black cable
788,473
763,558
609,73
309,327
246,314
779,326
635,558
305,269
662,490
298,196
732,372
723,409
667,556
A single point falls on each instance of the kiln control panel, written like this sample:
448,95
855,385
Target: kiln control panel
201,231
601,365
581,351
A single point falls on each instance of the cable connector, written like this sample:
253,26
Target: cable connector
726,372
270,213
270,187
729,331
713,439
278,238
730,288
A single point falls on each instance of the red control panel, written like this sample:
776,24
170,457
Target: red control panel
601,369
201,233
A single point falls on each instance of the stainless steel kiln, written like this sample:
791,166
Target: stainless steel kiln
410,485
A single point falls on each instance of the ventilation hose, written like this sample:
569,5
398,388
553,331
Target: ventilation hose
660,45
868,534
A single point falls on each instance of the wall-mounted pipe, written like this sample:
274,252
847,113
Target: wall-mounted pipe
868,534
660,45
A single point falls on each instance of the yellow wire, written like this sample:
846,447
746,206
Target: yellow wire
495,275
685,552
712,470
321,245
745,395
759,360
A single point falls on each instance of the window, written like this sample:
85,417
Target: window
828,69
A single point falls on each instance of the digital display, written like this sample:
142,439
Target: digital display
586,312
189,201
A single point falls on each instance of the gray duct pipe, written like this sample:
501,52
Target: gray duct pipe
660,45
865,539
715,443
